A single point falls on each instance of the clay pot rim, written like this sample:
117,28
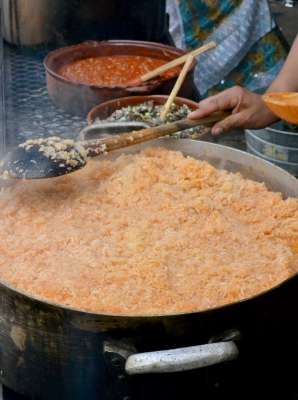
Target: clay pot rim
150,85
134,100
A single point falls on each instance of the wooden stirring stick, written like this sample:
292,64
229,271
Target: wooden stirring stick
176,88
105,145
176,62
19,165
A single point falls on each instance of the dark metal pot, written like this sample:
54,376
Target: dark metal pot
116,19
52,352
31,22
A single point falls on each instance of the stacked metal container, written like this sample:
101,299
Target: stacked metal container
277,144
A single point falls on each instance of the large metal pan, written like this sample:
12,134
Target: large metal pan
48,351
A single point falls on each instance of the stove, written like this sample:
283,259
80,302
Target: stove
7,394
262,379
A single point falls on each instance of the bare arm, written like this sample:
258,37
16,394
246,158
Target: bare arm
287,80
248,109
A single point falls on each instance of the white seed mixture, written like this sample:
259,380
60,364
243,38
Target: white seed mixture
65,151
149,113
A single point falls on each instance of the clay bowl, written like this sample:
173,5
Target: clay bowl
104,110
78,98
284,105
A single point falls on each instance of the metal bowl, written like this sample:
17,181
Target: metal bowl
290,167
78,98
276,144
278,134
271,150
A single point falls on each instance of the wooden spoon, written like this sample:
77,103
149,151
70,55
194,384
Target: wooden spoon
51,157
284,105
176,88
174,63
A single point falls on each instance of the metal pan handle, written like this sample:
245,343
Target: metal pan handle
182,359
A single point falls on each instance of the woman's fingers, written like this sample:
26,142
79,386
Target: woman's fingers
227,100
206,107
248,110
229,123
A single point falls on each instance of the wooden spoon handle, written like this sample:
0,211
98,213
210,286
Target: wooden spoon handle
176,88
105,145
177,61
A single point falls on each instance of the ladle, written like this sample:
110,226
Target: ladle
52,157
284,105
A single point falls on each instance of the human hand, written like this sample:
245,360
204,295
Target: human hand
248,110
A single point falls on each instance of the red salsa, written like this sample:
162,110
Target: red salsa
112,70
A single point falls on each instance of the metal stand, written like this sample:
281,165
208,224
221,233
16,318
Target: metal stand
29,111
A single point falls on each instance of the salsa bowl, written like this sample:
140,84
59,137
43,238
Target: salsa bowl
78,98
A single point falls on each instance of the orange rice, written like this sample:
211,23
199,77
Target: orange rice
152,233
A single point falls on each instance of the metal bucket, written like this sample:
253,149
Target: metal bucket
276,145
290,167
31,22
278,134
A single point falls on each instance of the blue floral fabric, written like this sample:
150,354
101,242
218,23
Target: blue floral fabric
249,51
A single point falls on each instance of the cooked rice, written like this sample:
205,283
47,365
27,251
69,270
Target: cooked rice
152,233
